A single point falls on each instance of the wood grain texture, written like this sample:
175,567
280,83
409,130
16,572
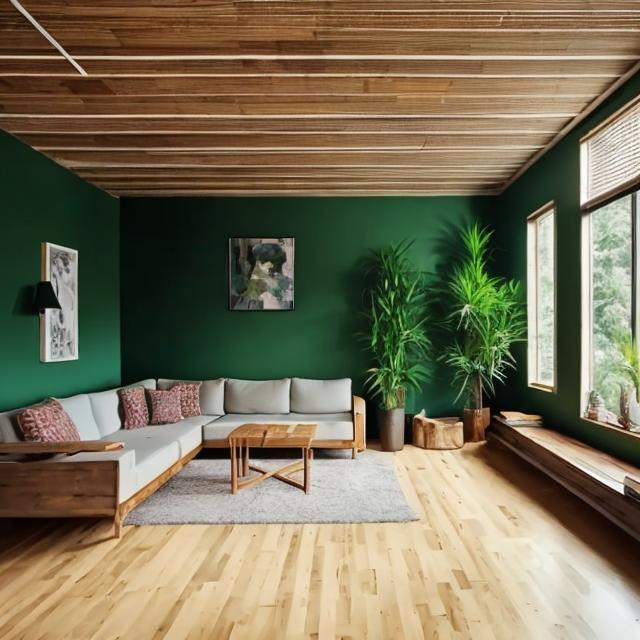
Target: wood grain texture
592,475
499,552
316,76
437,433
65,489
69,448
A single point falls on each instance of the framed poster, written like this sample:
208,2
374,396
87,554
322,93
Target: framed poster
261,274
59,327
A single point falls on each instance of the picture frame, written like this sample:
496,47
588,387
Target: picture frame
261,274
59,327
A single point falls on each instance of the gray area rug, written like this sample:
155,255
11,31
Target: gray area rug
343,490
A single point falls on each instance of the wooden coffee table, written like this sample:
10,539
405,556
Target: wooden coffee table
270,436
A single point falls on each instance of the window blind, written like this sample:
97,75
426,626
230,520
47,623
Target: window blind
610,156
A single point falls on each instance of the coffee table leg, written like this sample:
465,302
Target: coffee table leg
234,469
245,462
307,456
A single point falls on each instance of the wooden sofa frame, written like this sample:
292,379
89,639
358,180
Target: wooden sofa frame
36,489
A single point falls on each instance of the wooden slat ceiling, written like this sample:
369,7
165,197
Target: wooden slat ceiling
198,97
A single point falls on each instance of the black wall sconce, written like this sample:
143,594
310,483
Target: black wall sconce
46,297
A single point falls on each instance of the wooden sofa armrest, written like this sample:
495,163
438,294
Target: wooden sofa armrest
68,448
360,422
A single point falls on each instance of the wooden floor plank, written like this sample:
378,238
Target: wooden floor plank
499,552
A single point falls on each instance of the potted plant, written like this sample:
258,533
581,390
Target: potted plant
487,317
396,337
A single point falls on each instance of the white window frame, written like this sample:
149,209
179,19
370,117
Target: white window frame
549,209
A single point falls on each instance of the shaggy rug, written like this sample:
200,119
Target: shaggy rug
343,490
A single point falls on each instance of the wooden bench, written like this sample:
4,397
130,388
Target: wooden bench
593,476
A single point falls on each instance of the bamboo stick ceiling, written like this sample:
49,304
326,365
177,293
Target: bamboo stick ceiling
207,97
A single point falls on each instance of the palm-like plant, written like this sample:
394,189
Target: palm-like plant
630,365
397,335
487,316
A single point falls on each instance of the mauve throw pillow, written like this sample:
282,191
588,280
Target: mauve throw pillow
189,398
47,422
165,406
134,407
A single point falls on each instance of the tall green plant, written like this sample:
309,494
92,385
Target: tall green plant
630,365
486,316
396,317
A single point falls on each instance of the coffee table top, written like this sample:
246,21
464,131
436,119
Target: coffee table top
273,435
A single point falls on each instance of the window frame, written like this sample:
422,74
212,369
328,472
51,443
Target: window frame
533,378
586,350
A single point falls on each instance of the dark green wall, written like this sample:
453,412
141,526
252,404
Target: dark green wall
41,201
175,317
556,176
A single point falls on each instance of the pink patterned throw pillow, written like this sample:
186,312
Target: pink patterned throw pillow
165,406
189,399
134,407
47,422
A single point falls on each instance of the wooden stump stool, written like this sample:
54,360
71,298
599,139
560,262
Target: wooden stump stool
437,433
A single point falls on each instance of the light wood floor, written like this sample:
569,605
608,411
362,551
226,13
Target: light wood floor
500,551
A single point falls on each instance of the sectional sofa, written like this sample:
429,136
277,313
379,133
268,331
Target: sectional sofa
111,483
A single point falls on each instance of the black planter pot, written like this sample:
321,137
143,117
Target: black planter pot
391,422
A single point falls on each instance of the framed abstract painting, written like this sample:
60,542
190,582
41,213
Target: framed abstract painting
59,327
261,276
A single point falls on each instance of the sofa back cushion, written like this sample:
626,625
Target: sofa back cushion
211,394
106,407
320,396
257,396
78,408
10,430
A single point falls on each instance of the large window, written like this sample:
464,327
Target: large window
611,205
612,317
541,302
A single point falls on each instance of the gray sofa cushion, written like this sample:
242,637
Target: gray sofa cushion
330,426
211,394
78,408
106,407
320,396
10,430
257,396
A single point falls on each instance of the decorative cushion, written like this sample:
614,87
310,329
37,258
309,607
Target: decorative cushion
211,394
320,396
165,406
134,407
257,396
47,422
189,399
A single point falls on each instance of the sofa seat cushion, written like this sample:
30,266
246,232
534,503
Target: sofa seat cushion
187,434
257,396
320,396
78,408
330,426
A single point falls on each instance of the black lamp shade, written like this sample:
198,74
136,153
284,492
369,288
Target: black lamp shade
46,297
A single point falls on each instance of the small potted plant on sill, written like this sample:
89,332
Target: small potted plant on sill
486,316
396,337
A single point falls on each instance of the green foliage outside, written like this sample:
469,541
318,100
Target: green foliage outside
611,267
